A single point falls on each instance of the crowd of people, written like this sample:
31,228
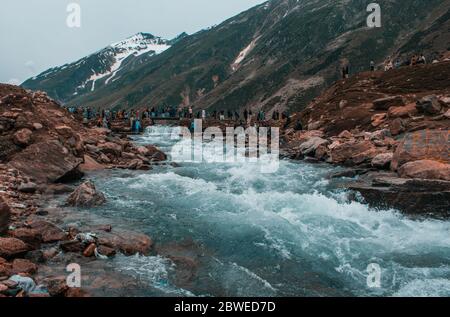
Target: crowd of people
104,118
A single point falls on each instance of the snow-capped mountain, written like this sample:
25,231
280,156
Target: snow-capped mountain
100,68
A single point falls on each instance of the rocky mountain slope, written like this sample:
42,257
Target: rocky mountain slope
65,83
42,146
278,55
390,127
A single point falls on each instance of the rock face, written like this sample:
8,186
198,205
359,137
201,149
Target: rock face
382,160
353,153
5,213
47,161
422,145
86,195
425,169
127,242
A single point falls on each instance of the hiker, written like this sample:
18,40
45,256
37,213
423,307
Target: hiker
222,115
372,66
236,115
245,114
203,114
137,126
190,112
422,60
298,126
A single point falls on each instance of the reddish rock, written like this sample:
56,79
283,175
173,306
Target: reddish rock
309,147
346,135
402,112
86,195
5,213
106,251
353,152
111,148
23,137
388,102
378,119
382,160
30,236
76,293
397,127
90,165
155,154
90,250
49,232
73,246
47,161
429,105
422,145
56,286
425,169
12,247
447,114
127,242
23,266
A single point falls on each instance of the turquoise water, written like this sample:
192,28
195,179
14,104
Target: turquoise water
291,233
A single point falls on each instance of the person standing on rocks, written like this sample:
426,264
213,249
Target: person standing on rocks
372,66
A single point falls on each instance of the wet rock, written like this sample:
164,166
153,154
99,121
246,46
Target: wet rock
422,145
47,161
5,213
155,154
23,137
23,266
73,246
106,251
425,169
411,196
429,105
76,293
86,195
90,250
382,160
56,286
388,102
126,242
48,231
12,247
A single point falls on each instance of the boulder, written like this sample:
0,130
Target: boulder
90,164
48,231
397,127
155,154
429,105
23,266
402,112
388,102
47,161
110,148
378,119
345,135
447,114
90,250
382,160
29,188
5,213
12,247
23,137
127,242
425,169
86,195
422,145
309,147
353,152
37,126
31,236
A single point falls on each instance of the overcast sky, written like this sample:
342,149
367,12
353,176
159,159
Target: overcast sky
34,35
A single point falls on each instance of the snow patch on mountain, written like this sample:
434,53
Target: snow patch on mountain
136,45
243,54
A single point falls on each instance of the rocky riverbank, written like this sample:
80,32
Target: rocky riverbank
391,130
42,148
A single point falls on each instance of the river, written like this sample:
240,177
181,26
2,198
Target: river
245,233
